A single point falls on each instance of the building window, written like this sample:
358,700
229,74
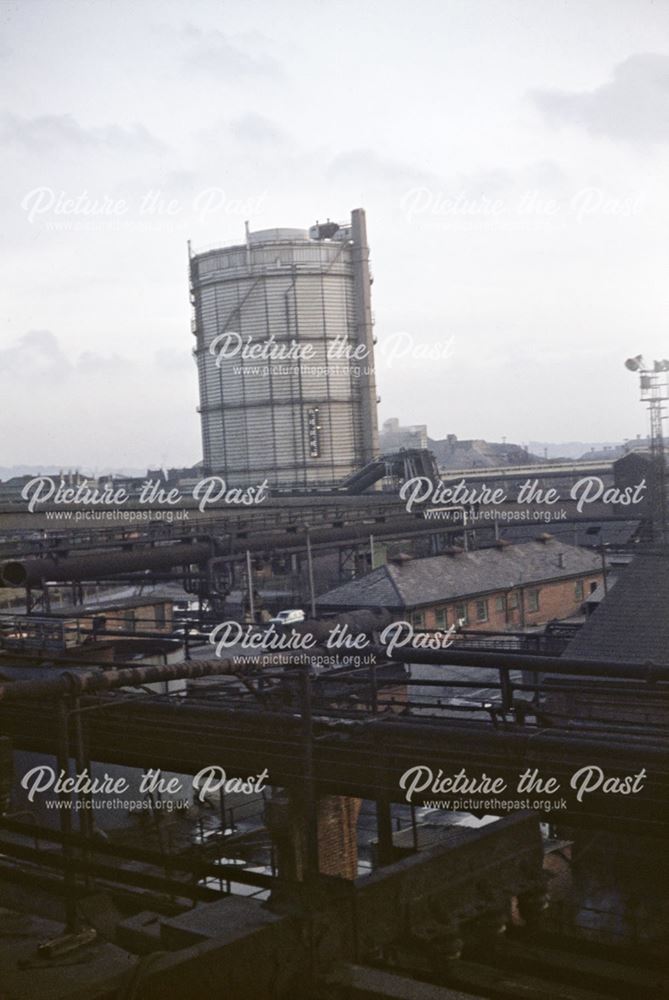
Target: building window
513,601
482,611
461,613
578,590
533,600
500,605
160,614
593,586
441,618
129,621
418,619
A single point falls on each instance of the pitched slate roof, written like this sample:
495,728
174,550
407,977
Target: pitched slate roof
632,622
417,582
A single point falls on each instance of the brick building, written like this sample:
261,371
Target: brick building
508,587
103,622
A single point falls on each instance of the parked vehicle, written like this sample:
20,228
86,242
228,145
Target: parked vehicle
289,617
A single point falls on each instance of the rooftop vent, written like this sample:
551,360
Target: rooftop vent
324,230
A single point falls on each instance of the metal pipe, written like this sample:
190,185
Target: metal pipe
33,572
174,862
109,873
129,675
86,818
73,682
90,566
310,574
364,759
69,874
384,832
365,334
249,586
308,790
456,656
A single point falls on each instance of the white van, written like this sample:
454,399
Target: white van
290,617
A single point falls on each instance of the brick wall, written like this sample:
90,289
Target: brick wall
338,836
514,608
337,821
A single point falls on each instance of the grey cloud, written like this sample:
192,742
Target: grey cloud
259,130
39,355
249,135
90,363
492,183
35,354
500,181
211,51
367,165
633,106
48,132
168,360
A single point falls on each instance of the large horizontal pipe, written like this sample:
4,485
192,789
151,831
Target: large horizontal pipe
168,862
110,873
456,655
96,564
33,572
76,681
128,675
364,759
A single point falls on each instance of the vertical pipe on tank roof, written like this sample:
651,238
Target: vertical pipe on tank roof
362,304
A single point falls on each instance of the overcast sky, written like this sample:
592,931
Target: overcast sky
512,157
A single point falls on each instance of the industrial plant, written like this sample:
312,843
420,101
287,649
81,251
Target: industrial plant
285,351
329,716
333,745
334,526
